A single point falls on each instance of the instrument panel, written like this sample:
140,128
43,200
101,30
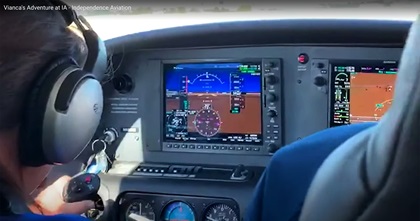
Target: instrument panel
241,108
177,110
154,207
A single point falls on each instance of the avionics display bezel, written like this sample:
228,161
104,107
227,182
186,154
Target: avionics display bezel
387,65
164,139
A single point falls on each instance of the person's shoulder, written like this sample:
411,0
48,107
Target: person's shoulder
330,137
34,217
318,146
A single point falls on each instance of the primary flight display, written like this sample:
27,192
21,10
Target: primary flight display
213,102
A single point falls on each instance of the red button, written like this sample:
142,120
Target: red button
303,58
88,179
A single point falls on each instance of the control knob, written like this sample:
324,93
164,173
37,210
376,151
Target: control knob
271,97
272,113
320,81
270,79
270,64
272,148
123,84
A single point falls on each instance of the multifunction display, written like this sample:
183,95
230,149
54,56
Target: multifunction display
361,91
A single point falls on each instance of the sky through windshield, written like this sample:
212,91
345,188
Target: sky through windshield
117,19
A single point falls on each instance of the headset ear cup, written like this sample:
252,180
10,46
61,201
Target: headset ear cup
30,140
67,131
50,134
56,136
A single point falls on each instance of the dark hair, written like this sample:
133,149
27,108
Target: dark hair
29,40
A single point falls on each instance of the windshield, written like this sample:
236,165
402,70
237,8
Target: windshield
111,21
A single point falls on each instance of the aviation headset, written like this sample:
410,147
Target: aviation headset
65,105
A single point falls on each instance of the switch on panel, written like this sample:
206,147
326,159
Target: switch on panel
270,79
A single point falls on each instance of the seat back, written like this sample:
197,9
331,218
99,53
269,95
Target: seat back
375,175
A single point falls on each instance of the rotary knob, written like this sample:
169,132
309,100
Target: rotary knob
271,97
272,113
320,81
270,79
320,65
272,148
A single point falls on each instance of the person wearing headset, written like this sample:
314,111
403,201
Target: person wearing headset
38,79
48,94
50,106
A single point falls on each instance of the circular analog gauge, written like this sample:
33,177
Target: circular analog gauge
177,211
207,122
139,209
220,212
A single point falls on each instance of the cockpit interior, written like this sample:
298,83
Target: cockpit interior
193,115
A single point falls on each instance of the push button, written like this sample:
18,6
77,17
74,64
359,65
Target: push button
88,179
303,58
176,171
151,170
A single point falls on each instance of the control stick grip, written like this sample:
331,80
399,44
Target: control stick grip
81,187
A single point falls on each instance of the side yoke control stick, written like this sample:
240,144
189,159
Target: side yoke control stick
82,187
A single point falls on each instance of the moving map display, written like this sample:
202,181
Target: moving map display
361,91
213,102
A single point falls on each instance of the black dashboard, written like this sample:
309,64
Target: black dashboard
200,110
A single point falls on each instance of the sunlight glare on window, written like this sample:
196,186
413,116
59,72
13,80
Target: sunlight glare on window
128,19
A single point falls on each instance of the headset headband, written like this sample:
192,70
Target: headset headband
70,16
